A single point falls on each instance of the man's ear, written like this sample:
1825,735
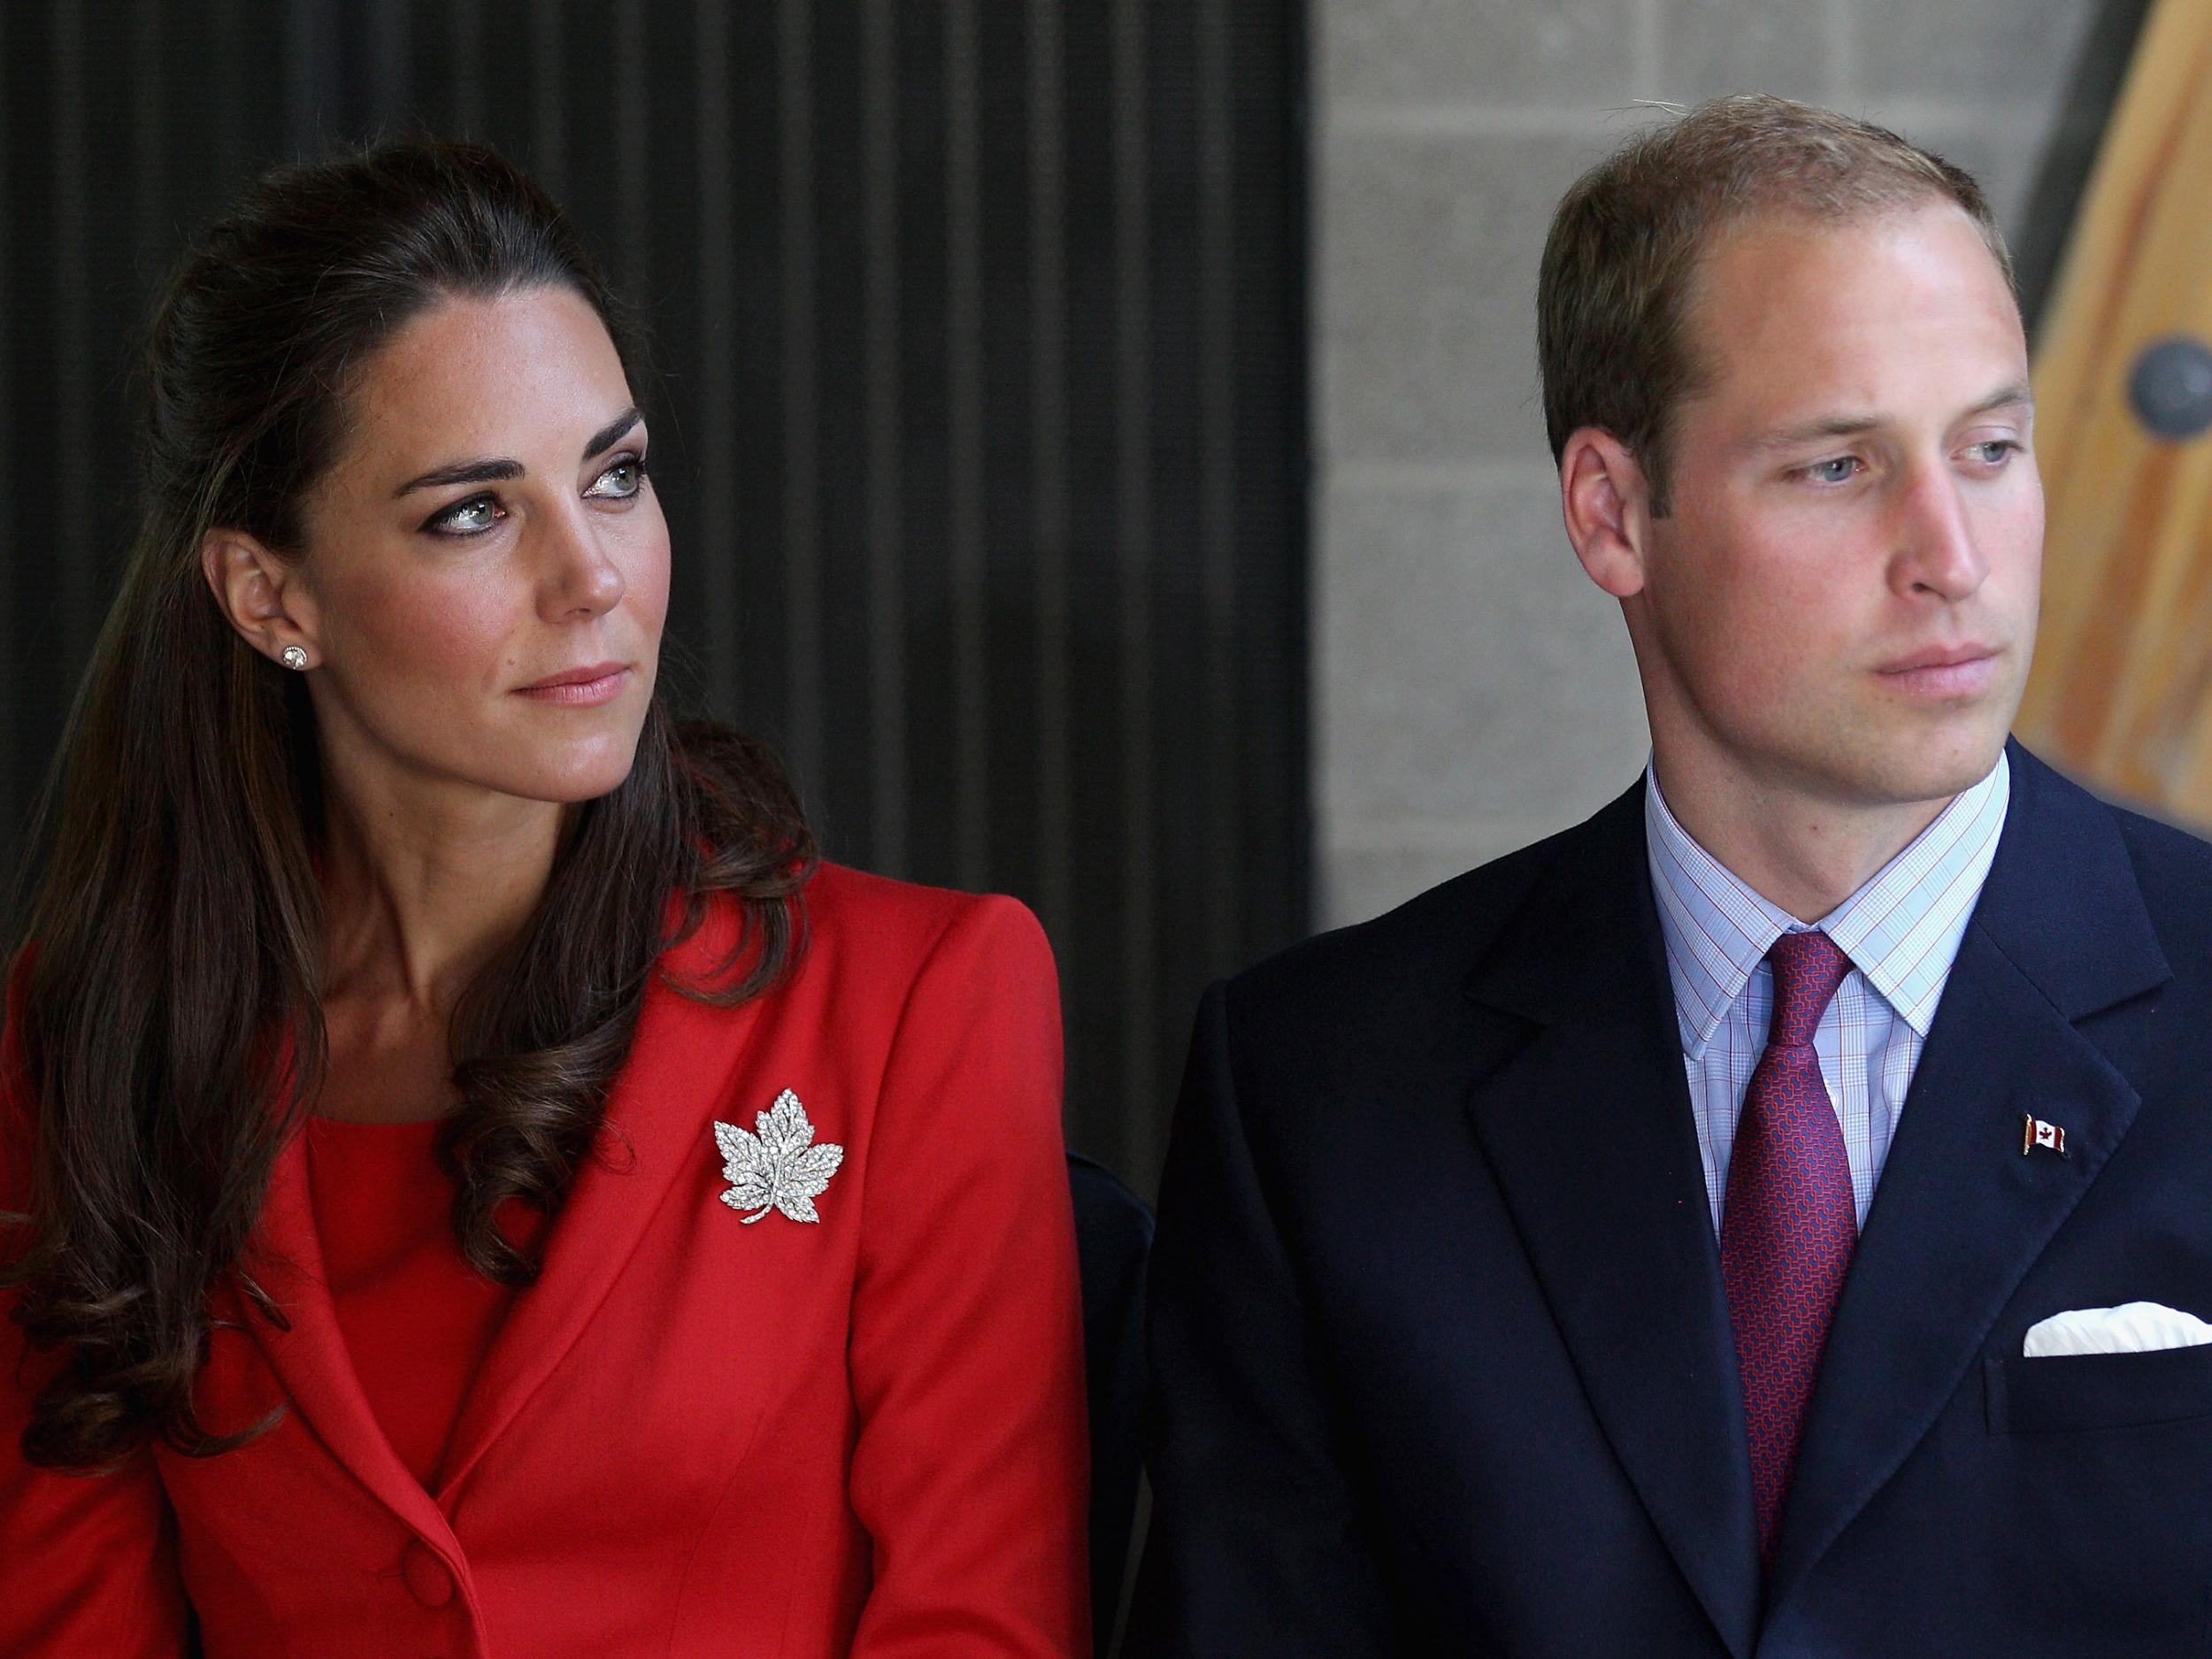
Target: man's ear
1607,502
260,595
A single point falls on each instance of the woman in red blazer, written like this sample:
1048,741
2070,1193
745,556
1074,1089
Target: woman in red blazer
477,1185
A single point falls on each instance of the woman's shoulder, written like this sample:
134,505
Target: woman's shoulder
908,925
950,1003
875,953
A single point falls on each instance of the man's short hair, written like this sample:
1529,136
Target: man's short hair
1611,299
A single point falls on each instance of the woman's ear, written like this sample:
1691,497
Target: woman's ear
1607,502
259,594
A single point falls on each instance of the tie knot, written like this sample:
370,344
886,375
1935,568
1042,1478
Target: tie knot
1808,968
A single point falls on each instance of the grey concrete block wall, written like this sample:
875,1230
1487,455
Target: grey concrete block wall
1472,690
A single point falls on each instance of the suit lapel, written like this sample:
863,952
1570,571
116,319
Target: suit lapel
2060,932
1589,1131
658,1116
310,1359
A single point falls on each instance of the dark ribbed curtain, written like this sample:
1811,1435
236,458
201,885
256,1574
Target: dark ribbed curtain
979,349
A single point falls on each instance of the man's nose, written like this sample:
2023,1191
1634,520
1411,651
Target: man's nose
1936,549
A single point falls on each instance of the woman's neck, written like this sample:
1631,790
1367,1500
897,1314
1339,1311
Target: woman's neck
422,887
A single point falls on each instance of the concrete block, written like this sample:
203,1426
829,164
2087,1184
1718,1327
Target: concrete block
1570,52
1425,312
2019,55
1468,670
1707,47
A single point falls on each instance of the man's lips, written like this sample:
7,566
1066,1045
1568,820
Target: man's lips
1939,656
1944,670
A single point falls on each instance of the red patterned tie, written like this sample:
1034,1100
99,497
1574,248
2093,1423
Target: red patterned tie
1787,1224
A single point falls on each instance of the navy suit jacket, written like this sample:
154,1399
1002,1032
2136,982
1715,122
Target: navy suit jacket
1442,1362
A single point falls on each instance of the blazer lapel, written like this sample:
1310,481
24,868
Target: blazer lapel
2060,932
310,1359
658,1112
1590,1133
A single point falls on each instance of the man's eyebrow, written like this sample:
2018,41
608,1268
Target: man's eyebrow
1806,431
1852,426
493,472
2017,392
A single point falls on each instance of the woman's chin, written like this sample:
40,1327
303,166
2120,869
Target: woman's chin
568,779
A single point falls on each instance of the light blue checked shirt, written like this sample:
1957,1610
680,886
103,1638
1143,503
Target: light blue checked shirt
1901,931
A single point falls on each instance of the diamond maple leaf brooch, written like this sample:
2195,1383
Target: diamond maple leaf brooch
779,1168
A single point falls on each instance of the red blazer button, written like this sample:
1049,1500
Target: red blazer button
428,1580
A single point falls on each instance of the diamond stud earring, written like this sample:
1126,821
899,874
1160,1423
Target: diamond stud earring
295,656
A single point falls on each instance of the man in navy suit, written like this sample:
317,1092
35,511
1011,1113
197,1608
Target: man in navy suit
1700,1234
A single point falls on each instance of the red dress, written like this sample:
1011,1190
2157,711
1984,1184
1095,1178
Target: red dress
415,1318
697,1434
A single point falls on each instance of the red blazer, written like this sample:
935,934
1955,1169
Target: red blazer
693,1436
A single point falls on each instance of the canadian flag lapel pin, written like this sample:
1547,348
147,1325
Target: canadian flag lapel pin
2035,1132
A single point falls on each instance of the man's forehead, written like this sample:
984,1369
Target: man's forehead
1758,233
1796,322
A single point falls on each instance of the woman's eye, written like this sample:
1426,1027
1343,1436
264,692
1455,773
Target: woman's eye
473,516
621,480
1838,470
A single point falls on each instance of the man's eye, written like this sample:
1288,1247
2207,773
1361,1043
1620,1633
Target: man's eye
1838,470
621,480
473,516
1996,452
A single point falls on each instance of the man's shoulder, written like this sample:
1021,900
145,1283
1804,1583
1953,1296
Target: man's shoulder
1402,963
2173,866
2075,882
2160,850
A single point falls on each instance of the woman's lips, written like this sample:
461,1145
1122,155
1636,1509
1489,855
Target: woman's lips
577,692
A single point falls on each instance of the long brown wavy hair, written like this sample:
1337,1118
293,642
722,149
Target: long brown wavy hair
176,932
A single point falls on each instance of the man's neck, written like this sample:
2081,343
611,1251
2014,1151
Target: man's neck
1804,854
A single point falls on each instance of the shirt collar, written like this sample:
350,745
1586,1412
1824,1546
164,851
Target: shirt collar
1902,929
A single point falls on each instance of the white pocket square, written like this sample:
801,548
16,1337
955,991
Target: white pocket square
2134,1327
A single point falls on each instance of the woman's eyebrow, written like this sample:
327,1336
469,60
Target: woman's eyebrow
492,472
607,436
461,472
